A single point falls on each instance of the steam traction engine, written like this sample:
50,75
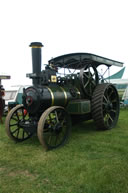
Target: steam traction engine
68,90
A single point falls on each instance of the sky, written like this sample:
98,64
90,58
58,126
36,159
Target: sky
63,26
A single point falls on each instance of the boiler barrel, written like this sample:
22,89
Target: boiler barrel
60,96
39,99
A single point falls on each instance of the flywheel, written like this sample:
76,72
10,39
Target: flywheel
89,79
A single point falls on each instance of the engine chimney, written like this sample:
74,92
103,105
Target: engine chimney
36,60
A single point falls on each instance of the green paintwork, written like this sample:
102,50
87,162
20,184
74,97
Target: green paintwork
79,107
58,96
62,95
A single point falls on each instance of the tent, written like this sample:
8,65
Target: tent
117,75
125,96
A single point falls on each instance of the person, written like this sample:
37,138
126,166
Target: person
1,103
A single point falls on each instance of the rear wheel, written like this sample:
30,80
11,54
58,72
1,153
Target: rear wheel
105,106
53,127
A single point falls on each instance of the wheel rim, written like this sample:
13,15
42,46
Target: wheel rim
15,120
105,106
53,128
110,106
89,79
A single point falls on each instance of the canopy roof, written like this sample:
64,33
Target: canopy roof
79,60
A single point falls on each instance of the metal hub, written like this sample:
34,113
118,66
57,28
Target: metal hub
108,106
57,128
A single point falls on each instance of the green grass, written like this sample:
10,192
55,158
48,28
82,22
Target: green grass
92,162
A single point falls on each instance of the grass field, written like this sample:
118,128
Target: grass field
92,162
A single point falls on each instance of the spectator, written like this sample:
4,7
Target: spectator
2,104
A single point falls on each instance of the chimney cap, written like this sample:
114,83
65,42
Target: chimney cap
36,45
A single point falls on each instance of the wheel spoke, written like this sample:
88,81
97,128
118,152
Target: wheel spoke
85,75
93,74
50,139
17,133
17,115
106,119
62,122
110,94
50,118
14,130
112,110
15,124
105,99
13,118
93,82
56,117
110,117
86,84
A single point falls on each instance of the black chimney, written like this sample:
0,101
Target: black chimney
36,60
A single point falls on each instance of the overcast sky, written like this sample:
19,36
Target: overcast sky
63,26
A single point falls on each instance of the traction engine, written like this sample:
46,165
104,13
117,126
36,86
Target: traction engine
69,90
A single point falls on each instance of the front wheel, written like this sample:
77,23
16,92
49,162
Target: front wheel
53,127
105,106
15,123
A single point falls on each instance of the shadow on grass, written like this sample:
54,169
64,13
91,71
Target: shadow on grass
85,127
33,141
81,128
